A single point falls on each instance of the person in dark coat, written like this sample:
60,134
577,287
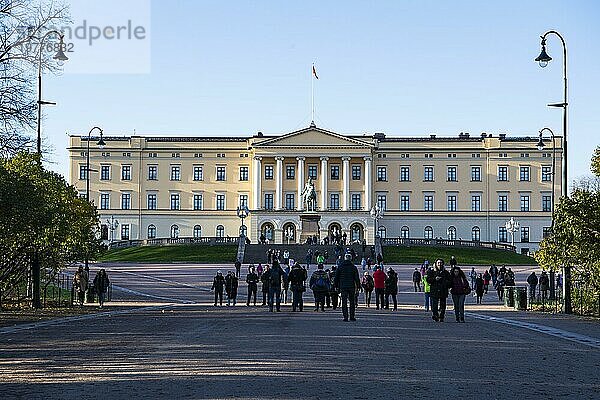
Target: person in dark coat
479,288
532,281
101,284
459,289
348,281
238,268
416,278
217,286
296,278
231,288
320,285
333,291
391,289
275,278
252,281
264,278
439,282
368,285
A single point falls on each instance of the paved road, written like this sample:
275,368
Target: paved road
183,347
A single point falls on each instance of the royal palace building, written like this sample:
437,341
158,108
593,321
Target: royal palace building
462,187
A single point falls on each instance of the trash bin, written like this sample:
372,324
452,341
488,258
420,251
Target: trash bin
520,298
509,296
91,295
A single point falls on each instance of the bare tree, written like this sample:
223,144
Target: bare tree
22,25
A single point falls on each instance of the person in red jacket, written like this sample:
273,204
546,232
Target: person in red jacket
379,278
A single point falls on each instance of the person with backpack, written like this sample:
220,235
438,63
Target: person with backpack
368,285
320,285
217,286
333,292
379,280
252,281
275,277
391,289
532,281
347,280
296,279
460,289
264,279
416,277
231,287
426,290
439,281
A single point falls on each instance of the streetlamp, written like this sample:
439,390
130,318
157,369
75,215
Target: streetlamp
242,213
113,224
512,226
376,214
100,143
543,59
60,56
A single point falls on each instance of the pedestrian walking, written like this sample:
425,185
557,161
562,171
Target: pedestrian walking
80,284
391,289
544,282
101,283
532,282
334,294
319,283
259,270
231,288
460,289
486,281
416,278
252,281
500,287
238,268
453,262
275,277
368,285
426,290
473,276
479,288
494,274
217,286
297,278
265,279
439,281
379,279
348,282
285,285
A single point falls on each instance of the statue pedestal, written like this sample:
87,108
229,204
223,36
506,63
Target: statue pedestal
310,226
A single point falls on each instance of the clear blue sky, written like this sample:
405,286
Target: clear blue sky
406,68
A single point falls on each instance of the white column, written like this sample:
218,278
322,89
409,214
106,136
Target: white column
300,177
256,183
324,174
346,177
279,182
368,181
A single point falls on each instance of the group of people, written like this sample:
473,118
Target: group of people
81,285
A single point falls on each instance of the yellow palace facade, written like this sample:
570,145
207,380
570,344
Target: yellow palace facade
462,187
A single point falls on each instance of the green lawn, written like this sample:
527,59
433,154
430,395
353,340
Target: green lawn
179,253
464,256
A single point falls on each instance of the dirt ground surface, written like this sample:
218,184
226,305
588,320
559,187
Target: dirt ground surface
174,344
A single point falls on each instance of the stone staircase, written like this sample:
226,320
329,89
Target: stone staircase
257,253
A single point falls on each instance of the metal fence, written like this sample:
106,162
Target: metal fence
585,300
211,241
446,243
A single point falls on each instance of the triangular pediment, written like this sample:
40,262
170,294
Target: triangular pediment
313,137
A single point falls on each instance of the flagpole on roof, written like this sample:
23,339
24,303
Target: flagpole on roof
312,94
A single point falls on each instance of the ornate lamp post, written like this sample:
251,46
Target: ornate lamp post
113,224
512,226
376,214
242,213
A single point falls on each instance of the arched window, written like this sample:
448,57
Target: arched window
381,232
428,233
356,233
267,230
220,231
289,233
451,233
405,232
174,231
476,234
151,232
197,231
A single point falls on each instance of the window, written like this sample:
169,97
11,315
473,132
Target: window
151,200
197,231
428,202
428,232
126,172
475,234
476,174
502,173
220,202
381,231
502,234
524,173
404,202
152,172
405,232
268,172
451,233
334,201
243,174
356,172
524,202
546,173
174,231
268,201
220,231
243,200
151,232
428,174
197,201
382,201
105,172
175,173
404,174
198,173
220,173
452,174
475,202
104,232
546,203
83,172
290,172
525,234
104,201
502,202
125,232
335,172
175,204
381,174
451,200
355,203
546,231
312,171
125,201
356,233
289,201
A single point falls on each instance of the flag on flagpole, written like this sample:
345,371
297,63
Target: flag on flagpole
315,72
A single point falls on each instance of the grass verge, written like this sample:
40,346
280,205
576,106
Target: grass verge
179,253
464,256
